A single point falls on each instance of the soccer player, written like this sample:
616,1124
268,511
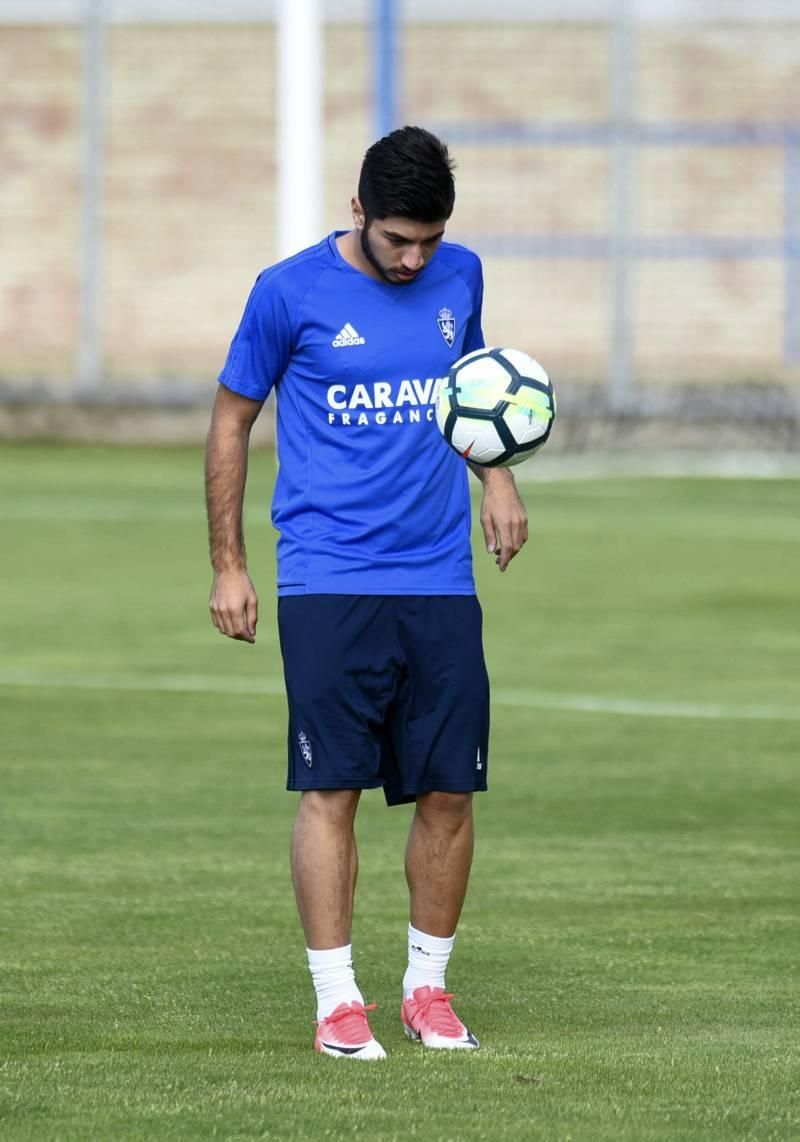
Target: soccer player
379,625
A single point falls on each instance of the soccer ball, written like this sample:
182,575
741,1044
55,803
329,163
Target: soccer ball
497,407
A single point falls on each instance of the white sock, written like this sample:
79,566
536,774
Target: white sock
427,960
334,979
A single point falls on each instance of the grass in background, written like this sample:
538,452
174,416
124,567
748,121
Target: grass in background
628,951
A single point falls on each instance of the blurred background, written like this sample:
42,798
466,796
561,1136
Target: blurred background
629,170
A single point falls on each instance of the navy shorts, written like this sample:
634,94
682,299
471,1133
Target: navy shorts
385,691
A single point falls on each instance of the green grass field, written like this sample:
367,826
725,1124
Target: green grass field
629,950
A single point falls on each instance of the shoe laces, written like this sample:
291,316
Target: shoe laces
436,1010
350,1022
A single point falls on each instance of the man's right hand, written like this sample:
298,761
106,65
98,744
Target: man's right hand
234,605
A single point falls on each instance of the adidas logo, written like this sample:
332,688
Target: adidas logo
347,337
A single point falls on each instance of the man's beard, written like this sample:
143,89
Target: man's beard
366,250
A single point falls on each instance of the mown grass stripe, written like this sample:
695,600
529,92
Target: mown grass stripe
519,699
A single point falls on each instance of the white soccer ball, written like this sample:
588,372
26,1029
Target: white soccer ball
497,407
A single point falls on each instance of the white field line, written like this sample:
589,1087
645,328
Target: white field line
519,699
94,510
567,467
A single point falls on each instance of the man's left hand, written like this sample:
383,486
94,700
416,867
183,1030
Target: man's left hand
503,516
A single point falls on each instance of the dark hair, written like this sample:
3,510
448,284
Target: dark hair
407,174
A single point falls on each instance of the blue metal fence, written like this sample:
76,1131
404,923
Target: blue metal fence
784,246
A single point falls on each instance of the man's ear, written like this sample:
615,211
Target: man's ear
358,213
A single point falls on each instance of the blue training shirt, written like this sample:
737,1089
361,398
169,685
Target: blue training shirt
369,498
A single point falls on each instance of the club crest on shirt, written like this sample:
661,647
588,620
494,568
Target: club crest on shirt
447,325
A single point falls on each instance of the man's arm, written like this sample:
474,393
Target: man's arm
233,602
503,516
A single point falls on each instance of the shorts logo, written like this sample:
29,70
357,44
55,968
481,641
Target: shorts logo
305,748
447,325
479,763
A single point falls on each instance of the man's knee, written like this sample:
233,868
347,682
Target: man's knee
445,810
333,806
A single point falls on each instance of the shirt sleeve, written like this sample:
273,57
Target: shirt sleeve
473,336
260,351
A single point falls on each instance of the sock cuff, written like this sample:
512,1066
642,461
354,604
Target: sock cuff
329,957
430,943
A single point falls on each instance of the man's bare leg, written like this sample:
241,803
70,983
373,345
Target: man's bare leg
325,865
438,861
324,871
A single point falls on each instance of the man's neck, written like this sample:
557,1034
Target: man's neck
350,249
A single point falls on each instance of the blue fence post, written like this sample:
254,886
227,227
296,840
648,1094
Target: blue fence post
385,42
791,233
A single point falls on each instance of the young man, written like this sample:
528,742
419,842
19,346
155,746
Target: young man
379,625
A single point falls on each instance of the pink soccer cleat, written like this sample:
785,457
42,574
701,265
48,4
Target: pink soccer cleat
346,1032
428,1016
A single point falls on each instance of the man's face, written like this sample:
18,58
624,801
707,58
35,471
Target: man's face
398,248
